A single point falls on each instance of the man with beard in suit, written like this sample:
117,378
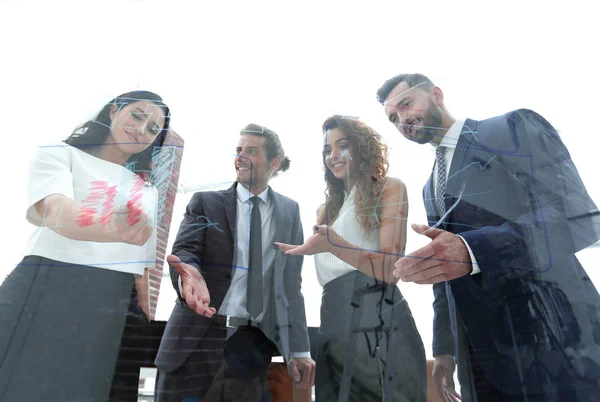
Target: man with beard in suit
513,305
240,300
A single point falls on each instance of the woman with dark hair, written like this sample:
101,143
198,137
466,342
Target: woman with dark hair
63,309
360,233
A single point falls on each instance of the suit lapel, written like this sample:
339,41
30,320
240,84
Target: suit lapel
428,194
230,206
455,179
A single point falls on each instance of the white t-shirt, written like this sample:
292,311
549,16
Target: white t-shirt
99,185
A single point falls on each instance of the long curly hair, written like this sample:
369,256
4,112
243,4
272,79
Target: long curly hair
371,155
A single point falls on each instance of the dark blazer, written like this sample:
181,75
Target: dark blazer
206,240
532,316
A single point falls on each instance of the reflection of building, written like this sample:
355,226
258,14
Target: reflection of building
167,164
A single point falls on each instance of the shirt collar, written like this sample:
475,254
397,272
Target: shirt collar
451,138
243,194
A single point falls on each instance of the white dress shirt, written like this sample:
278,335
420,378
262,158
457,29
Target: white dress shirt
449,141
234,303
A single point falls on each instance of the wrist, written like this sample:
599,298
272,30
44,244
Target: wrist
332,242
444,357
106,228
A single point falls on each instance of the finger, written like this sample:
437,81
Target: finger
146,233
451,396
304,379
321,229
312,375
420,266
406,262
200,310
451,387
427,231
436,279
447,397
295,374
440,390
172,259
438,380
285,247
424,274
297,250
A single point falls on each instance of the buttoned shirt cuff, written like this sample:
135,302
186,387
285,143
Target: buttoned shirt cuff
475,266
300,355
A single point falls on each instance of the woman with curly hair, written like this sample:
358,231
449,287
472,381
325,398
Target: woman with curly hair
360,232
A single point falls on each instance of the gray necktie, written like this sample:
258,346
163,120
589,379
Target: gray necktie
254,295
440,165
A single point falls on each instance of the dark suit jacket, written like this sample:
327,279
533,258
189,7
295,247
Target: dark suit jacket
206,240
532,316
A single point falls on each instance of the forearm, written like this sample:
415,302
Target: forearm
64,215
528,243
443,338
377,264
299,342
142,286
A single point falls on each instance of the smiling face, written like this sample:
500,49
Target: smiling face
252,167
339,154
134,127
416,113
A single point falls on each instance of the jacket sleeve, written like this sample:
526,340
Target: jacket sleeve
189,243
299,341
559,216
443,338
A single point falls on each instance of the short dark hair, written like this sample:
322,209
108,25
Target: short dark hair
411,79
272,145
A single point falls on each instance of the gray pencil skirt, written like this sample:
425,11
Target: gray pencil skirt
60,330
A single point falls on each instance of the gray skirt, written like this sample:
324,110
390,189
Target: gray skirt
60,330
386,345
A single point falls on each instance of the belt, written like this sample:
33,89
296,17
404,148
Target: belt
236,322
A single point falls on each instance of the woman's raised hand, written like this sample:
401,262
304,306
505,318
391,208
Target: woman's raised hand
129,224
322,241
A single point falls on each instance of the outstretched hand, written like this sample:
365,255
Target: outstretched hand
193,287
443,377
444,259
320,242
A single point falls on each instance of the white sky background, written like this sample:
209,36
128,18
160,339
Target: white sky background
221,65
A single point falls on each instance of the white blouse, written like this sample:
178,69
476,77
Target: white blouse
99,185
347,226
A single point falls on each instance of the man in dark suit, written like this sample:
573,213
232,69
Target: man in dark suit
512,303
232,283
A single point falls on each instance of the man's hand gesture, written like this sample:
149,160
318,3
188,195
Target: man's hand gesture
193,287
444,259
302,371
